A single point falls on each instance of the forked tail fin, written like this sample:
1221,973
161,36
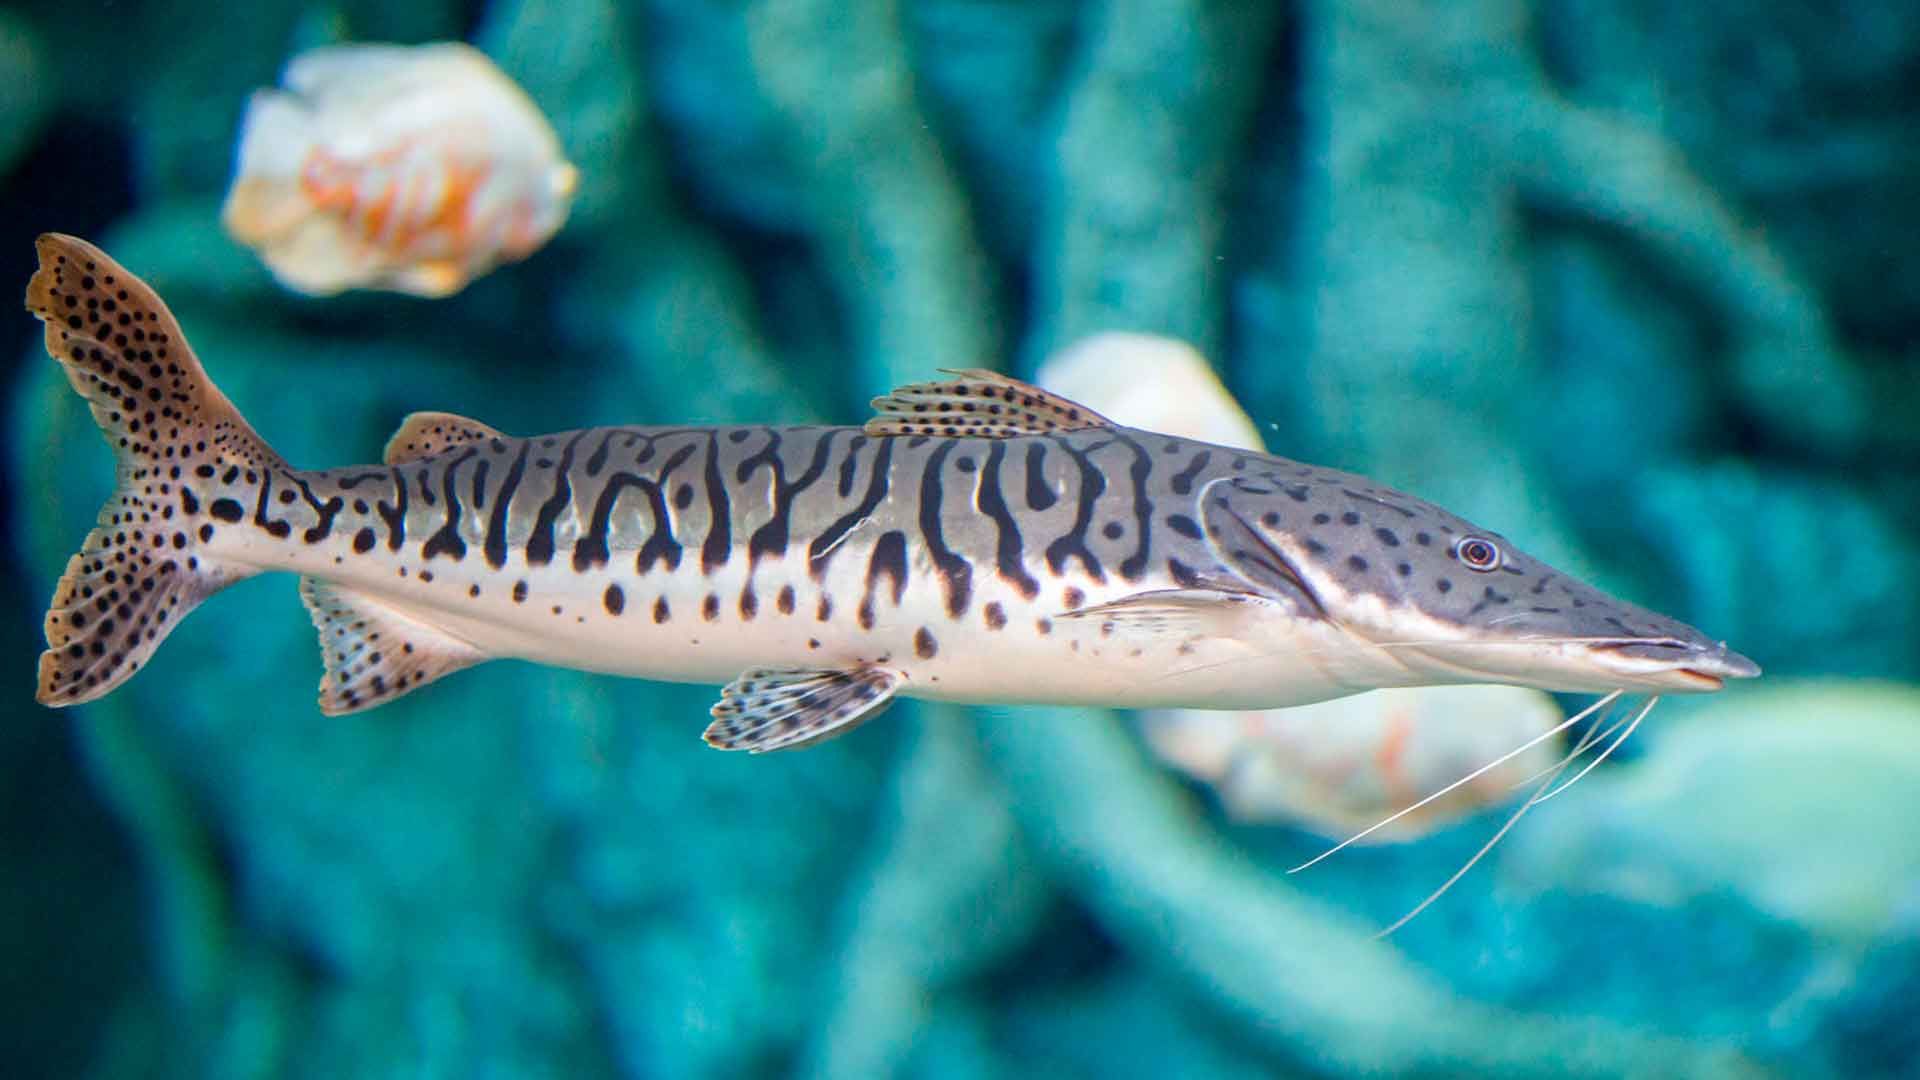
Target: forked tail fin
179,442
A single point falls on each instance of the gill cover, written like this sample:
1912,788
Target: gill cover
1241,549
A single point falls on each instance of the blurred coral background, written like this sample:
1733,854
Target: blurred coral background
1636,283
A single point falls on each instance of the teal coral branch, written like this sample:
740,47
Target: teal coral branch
895,227
1154,124
951,892
1304,982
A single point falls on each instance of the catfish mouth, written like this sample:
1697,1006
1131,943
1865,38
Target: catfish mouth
1683,665
1590,665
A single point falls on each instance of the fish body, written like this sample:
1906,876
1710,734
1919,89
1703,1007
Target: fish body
978,540
983,569
414,169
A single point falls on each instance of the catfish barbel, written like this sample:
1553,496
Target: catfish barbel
978,540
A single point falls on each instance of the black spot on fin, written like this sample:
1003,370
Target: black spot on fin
978,403
373,652
142,569
424,434
110,612
785,708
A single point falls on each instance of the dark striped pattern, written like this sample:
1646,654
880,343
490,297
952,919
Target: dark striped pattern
972,509
1112,509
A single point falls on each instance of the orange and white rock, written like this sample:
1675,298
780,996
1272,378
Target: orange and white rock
413,169
1152,382
1339,766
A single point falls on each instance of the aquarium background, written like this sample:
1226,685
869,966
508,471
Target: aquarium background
1637,283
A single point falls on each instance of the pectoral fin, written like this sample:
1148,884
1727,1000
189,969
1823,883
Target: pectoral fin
1181,613
782,709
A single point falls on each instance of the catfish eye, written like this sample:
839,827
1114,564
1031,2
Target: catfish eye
1478,553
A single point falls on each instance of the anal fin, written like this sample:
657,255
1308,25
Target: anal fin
373,652
424,434
786,708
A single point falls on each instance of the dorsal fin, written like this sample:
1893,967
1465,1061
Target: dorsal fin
978,403
424,434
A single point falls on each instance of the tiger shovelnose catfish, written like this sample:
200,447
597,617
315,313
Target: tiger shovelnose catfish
977,540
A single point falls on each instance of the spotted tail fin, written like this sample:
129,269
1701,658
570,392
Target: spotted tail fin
141,569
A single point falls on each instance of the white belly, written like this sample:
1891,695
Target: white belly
1003,648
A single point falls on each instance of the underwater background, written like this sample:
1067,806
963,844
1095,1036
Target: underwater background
1637,282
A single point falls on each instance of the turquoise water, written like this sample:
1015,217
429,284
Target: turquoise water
1636,286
